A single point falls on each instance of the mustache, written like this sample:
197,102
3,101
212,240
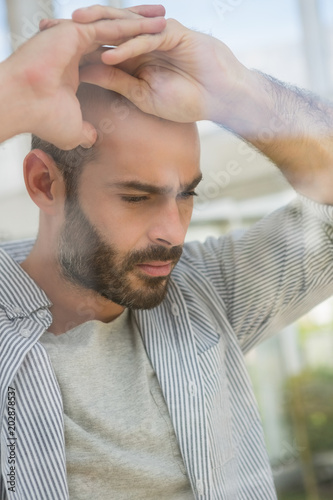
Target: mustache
155,252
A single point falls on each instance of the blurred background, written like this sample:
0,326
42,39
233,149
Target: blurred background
292,372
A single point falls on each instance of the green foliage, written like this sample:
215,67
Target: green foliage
309,405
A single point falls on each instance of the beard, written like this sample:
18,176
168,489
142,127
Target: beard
87,261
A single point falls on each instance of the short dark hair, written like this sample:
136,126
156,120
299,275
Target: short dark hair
70,163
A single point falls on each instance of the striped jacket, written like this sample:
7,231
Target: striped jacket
225,296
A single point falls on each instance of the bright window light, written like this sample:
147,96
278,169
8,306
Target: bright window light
64,8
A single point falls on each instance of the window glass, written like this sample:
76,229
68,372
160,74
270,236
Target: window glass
326,11
5,47
292,373
64,8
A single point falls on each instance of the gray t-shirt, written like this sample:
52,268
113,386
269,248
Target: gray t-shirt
120,443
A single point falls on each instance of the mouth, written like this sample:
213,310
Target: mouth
156,268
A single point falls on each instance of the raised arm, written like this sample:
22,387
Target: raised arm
186,76
39,81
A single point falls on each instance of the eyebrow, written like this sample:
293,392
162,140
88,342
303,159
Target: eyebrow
152,189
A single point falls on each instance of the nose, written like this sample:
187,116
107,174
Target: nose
169,225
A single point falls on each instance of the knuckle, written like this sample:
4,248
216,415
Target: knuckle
174,24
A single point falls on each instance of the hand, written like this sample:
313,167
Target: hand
178,74
42,76
183,75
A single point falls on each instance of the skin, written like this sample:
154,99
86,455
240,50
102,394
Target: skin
140,149
186,76
170,71
176,74
39,80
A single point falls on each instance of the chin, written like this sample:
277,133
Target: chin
138,299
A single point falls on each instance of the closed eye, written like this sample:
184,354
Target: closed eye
188,194
134,199
137,199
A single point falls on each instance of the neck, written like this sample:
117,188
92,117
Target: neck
71,305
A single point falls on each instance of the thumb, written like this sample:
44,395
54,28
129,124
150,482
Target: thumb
111,78
88,135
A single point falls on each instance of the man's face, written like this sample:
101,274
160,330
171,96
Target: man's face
124,232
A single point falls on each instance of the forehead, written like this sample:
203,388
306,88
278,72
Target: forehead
135,144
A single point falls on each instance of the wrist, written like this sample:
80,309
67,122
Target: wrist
248,106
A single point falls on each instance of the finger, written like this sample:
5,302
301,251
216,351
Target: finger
85,138
115,79
44,24
97,12
141,44
88,136
115,32
148,10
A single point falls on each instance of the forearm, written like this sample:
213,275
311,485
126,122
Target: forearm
14,111
292,127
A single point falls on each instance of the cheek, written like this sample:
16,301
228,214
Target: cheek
124,231
186,210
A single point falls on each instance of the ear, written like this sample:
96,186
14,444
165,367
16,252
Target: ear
44,181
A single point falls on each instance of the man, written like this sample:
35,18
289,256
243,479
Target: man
117,363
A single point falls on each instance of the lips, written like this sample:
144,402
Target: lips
156,268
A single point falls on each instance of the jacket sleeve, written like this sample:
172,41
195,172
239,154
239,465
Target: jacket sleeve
273,273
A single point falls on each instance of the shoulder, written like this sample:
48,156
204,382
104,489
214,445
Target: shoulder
18,250
200,263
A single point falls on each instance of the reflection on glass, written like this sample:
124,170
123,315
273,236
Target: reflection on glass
293,378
